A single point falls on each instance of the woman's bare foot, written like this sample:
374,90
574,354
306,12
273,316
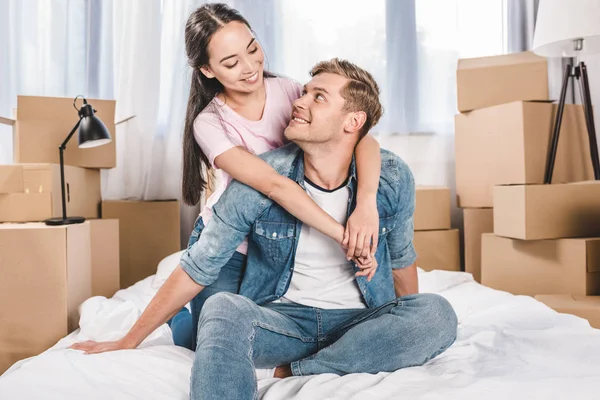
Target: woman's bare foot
283,372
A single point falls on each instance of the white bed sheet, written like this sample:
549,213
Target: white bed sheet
507,347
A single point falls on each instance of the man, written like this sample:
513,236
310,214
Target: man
301,306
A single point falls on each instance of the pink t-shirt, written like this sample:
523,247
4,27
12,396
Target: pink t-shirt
218,128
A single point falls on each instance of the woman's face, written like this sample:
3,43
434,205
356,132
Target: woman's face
235,58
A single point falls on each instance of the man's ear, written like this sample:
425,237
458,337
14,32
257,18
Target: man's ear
206,71
355,121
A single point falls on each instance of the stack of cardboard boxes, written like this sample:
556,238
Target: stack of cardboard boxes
437,245
46,272
502,138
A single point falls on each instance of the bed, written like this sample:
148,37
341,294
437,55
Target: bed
508,347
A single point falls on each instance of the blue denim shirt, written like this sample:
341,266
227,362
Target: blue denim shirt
273,233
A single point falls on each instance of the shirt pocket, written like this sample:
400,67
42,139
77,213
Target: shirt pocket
386,225
275,239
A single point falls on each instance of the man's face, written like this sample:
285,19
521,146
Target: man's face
318,115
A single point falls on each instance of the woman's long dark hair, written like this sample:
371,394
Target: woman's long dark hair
200,28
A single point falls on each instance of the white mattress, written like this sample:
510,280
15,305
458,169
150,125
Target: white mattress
507,347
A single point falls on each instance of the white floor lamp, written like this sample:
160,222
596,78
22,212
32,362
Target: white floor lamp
570,28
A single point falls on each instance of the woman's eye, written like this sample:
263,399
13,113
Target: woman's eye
254,50
232,65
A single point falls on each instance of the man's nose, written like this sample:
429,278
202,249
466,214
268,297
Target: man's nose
301,102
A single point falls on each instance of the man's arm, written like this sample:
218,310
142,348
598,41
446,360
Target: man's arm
406,280
400,239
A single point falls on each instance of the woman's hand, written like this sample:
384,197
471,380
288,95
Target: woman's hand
362,231
367,267
91,347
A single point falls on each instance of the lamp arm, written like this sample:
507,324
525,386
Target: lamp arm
63,146
61,149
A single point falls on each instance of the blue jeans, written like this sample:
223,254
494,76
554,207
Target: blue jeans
235,336
184,325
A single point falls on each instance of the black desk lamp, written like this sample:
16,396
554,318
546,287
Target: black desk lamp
92,133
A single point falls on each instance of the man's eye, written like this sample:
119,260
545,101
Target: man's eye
319,97
303,93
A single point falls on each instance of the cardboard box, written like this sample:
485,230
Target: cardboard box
438,250
104,234
531,212
507,144
432,208
488,81
148,232
587,307
41,125
31,192
45,275
11,179
477,221
558,266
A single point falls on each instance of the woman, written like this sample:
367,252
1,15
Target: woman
235,111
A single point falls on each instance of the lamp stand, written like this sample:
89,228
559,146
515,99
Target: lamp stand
579,72
64,220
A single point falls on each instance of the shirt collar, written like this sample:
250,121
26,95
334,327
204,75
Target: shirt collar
297,173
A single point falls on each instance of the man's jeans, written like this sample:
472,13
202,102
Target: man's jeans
235,336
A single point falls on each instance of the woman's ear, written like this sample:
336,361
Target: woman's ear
206,71
356,121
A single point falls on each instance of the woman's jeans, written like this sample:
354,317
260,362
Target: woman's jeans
185,325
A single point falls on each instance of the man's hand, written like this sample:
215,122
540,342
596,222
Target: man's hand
362,231
91,347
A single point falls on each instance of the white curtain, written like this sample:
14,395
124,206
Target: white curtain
43,51
410,46
133,51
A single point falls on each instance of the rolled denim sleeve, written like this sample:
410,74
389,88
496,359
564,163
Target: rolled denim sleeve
233,217
400,239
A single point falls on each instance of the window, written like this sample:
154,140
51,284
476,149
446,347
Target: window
410,47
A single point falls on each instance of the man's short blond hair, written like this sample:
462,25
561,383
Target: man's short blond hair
361,93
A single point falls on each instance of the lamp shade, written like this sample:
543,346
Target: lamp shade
560,22
92,131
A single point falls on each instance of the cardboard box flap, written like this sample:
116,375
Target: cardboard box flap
124,120
36,107
7,121
501,60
